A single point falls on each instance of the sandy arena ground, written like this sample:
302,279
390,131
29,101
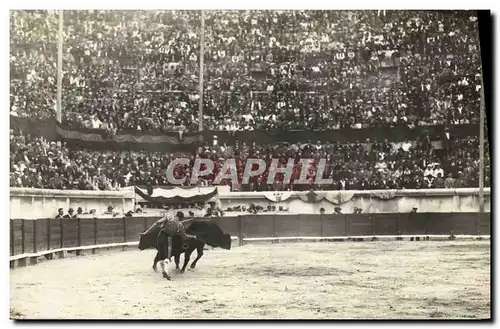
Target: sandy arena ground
288,281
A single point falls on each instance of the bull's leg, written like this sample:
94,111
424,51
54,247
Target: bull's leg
177,258
155,261
164,265
199,252
187,256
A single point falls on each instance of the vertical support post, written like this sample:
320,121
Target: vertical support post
372,218
322,225
124,221
398,231
298,226
426,224
482,106
481,160
202,54
78,235
346,225
35,238
240,229
477,230
61,225
59,68
95,234
274,225
481,151
12,249
452,227
23,236
125,229
49,232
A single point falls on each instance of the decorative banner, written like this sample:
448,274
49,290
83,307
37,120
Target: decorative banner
177,195
339,197
312,196
278,196
171,141
384,195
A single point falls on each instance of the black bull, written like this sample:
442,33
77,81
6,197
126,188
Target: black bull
206,232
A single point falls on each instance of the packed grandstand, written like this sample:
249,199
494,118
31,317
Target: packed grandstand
353,80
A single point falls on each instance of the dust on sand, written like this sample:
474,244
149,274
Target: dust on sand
364,280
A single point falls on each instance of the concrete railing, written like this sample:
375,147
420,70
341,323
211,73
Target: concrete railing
28,203
32,203
375,201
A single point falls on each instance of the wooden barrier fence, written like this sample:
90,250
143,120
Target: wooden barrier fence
37,237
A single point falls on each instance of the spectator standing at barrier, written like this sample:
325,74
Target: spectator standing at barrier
438,181
428,181
79,211
60,213
459,180
429,171
438,171
71,214
110,211
449,182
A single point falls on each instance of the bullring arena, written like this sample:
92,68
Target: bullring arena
320,280
347,135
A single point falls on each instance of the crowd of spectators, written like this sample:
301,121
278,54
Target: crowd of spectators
371,165
362,165
139,70
290,70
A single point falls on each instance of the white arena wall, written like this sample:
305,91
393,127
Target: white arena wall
29,203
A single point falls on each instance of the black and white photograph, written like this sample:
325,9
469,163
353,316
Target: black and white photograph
250,164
